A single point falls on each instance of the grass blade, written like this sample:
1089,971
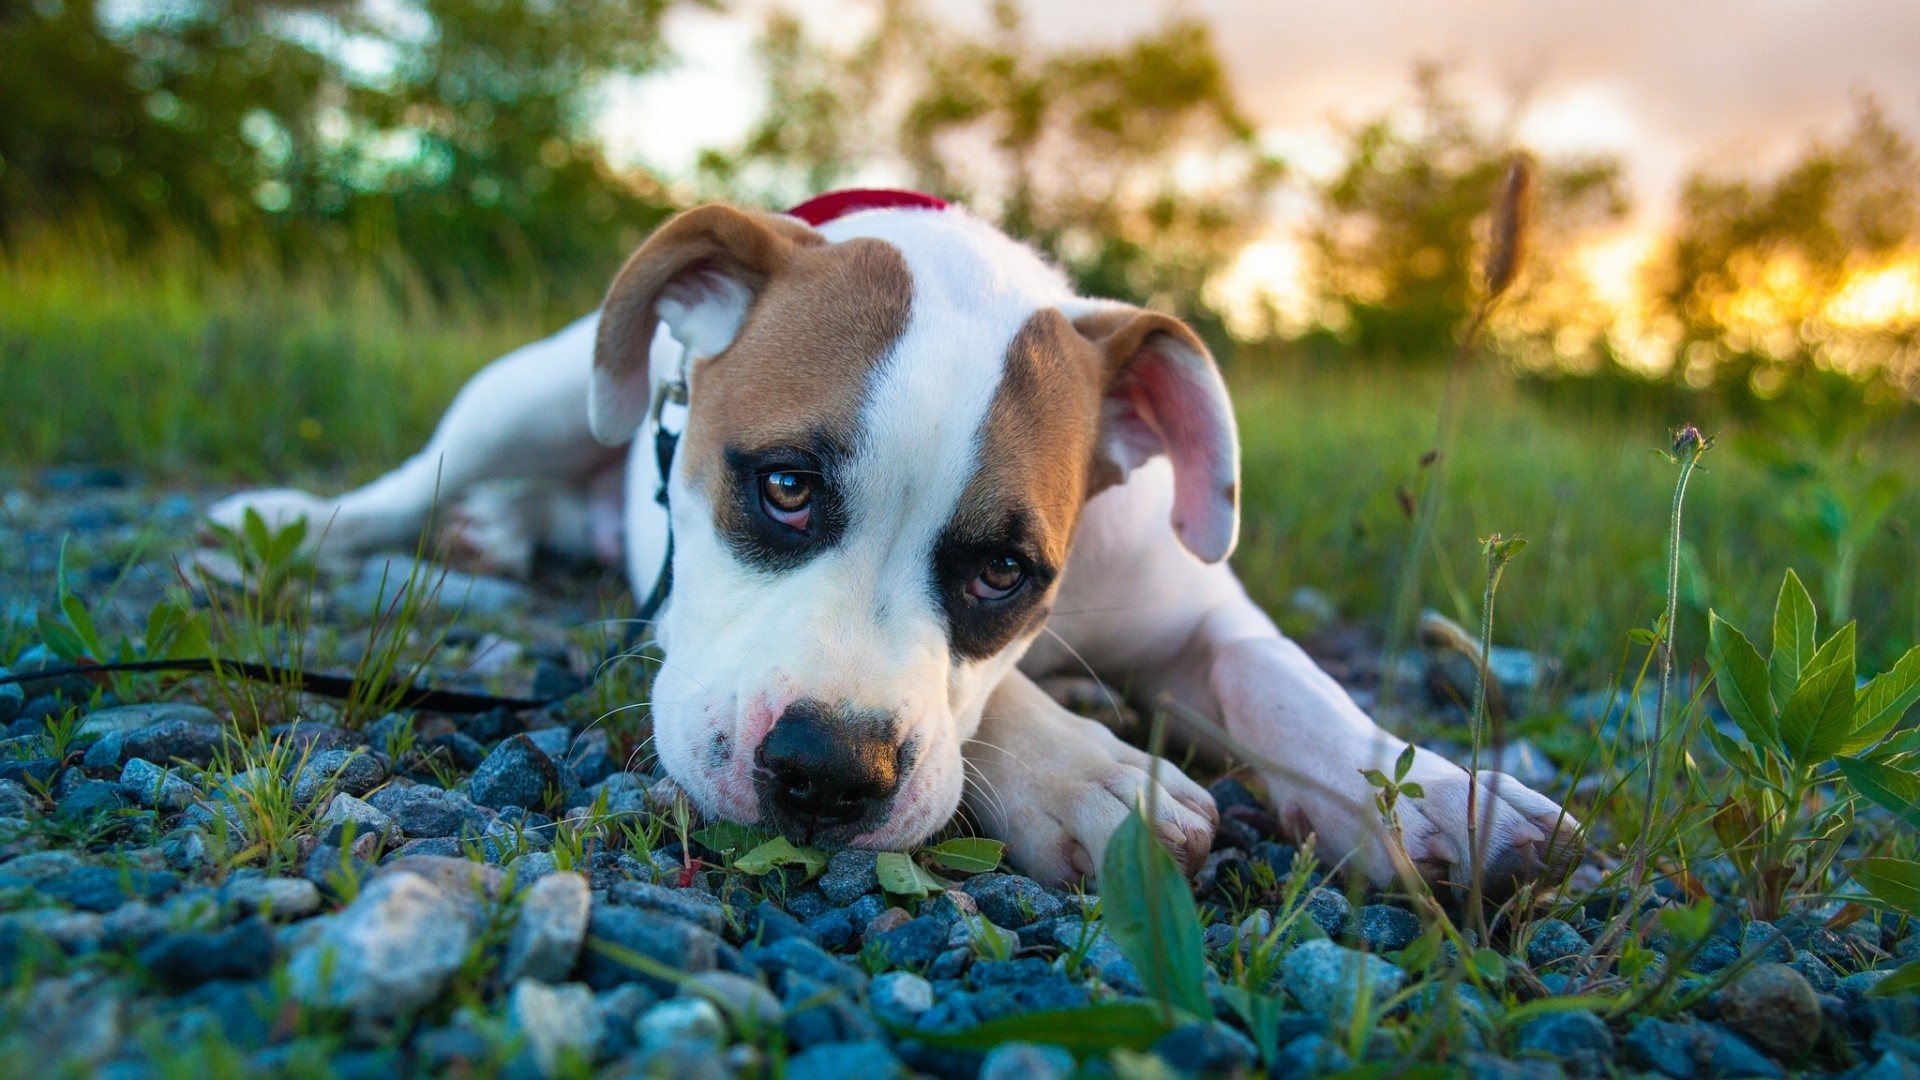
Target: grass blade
1151,916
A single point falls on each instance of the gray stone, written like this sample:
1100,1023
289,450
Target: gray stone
104,888
1013,901
546,939
1578,1039
560,1024
915,943
517,773
12,698
1026,1061
41,865
532,866
751,1006
1207,1049
385,578
1384,928
120,719
90,799
156,788
1773,1005
868,1059
17,800
351,772
1553,940
284,898
344,812
162,743
38,658
686,905
899,997
1328,909
189,959
389,953
849,876
1326,979
682,1020
430,812
665,940
1686,1051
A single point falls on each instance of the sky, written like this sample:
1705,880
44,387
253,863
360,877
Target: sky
1667,85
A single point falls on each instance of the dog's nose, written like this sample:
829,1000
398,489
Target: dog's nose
822,767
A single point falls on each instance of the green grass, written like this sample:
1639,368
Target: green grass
1326,447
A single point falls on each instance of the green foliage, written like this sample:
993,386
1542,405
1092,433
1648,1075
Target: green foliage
1150,915
1793,242
1798,709
1077,150
900,875
967,854
779,852
1132,1025
1395,244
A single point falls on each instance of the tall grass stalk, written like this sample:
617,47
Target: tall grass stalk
1500,550
1688,447
1506,257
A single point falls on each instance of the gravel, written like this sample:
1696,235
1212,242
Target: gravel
546,939
389,953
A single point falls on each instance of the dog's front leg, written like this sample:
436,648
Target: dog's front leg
1315,743
1054,786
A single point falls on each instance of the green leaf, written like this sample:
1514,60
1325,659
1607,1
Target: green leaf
1883,701
82,623
1490,965
1122,1025
1904,980
1261,1013
1895,790
901,876
60,638
1793,636
1733,753
1150,915
1817,719
1743,681
1404,763
780,851
722,837
968,854
1640,635
1894,881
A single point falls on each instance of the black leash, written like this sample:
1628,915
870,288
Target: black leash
432,699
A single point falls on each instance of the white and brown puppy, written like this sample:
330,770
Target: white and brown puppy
917,473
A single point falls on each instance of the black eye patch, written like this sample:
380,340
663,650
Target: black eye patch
741,516
978,628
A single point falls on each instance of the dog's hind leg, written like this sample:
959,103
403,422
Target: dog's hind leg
523,417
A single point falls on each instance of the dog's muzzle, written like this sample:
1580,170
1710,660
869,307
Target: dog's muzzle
827,774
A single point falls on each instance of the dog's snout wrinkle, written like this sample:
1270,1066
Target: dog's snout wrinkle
824,770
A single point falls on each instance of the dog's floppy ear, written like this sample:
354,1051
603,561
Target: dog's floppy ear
697,275
1165,396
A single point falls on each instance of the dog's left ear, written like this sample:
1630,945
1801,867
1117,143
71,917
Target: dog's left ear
1165,396
697,276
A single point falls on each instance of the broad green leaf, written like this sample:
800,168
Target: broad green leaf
82,623
1490,965
968,854
1733,753
722,837
1817,719
1883,701
1895,790
901,876
60,638
1904,980
1793,636
1894,881
1743,681
780,851
1151,916
1126,1025
1642,636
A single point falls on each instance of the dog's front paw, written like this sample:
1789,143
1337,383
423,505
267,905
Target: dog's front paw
1523,835
277,507
1058,832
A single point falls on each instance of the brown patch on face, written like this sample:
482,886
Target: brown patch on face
1035,472
798,371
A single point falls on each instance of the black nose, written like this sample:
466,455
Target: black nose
822,768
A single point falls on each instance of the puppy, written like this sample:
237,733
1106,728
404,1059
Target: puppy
914,472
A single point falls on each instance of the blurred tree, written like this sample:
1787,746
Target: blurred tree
1816,269
1131,164
452,131
1396,240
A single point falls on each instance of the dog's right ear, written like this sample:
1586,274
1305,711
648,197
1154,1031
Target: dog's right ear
697,275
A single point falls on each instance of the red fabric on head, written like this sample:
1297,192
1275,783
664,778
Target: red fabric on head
821,209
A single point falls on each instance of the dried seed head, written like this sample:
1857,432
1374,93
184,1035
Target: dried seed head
1512,226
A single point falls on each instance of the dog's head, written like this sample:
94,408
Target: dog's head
894,423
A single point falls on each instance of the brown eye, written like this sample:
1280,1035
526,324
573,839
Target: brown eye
999,578
788,497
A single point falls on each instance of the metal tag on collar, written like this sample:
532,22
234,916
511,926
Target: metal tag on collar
665,440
